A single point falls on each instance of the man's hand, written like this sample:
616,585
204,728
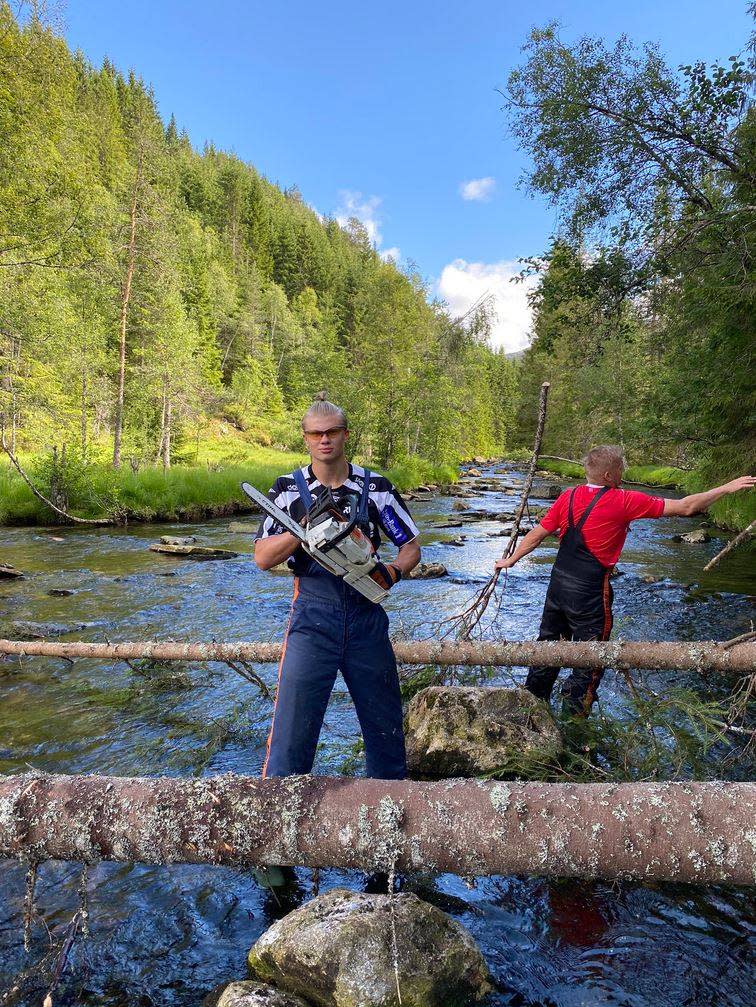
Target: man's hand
505,563
741,483
385,575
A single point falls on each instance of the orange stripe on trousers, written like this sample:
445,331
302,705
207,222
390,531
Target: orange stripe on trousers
278,680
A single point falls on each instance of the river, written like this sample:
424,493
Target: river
167,936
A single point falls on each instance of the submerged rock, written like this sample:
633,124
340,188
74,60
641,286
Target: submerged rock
243,527
336,951
428,571
251,993
178,539
194,551
41,630
693,537
466,731
60,592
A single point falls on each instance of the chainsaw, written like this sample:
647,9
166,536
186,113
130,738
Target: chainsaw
334,540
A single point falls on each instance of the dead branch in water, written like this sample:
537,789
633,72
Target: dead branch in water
698,655
732,544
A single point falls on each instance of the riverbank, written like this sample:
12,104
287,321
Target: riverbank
185,492
732,513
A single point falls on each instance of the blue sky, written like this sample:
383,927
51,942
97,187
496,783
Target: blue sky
383,110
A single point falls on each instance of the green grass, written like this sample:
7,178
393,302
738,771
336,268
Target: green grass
185,492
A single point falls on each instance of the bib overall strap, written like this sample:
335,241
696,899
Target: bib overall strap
584,516
304,489
364,500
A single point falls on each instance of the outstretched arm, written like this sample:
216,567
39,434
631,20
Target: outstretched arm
531,541
697,502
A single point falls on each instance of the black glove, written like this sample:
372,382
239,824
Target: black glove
386,575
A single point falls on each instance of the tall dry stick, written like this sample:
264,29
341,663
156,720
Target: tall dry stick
466,621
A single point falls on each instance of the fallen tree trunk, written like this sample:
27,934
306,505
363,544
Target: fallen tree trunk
701,655
693,832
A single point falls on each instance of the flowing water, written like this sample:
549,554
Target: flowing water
167,936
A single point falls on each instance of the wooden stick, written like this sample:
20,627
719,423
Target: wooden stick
732,544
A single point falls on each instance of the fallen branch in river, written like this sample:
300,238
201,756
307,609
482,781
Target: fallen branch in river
699,655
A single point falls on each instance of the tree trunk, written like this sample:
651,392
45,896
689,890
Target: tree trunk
167,433
699,656
124,315
694,832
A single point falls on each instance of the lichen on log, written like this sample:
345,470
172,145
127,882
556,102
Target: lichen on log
689,832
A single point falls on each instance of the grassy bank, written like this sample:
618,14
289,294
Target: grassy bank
193,491
734,512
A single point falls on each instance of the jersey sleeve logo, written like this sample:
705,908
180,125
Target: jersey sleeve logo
393,526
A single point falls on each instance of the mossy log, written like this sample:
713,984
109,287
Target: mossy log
691,832
701,655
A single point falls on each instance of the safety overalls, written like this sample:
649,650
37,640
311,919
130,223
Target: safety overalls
334,628
578,607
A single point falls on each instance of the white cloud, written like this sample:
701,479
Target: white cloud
364,208
391,253
463,283
478,189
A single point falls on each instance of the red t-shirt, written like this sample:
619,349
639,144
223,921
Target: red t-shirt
606,529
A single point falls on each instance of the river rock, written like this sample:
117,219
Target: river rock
550,492
178,539
9,572
428,571
337,952
60,592
466,731
194,551
251,993
459,506
693,537
474,472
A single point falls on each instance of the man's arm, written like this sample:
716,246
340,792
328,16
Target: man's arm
531,541
407,558
274,549
697,502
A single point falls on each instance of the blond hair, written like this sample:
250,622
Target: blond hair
603,458
322,407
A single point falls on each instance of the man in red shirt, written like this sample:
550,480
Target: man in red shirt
592,522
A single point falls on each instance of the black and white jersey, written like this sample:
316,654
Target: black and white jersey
387,512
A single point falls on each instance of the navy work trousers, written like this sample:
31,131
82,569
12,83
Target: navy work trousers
331,631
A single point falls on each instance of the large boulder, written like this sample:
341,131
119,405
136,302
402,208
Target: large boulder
466,731
251,993
337,952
